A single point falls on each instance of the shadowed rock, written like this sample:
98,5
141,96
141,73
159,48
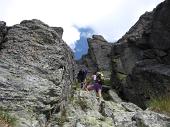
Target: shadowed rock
141,58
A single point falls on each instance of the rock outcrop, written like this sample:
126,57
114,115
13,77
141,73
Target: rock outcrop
36,71
86,111
98,57
141,58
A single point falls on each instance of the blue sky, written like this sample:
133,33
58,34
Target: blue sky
81,45
109,18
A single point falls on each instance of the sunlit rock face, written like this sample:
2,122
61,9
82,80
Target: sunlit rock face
141,58
36,69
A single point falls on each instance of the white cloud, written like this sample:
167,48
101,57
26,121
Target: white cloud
71,35
111,18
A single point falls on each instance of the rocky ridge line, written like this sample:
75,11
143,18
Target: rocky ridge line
140,59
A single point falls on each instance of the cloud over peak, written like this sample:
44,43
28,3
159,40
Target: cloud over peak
110,18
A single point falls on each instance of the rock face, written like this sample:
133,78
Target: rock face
98,57
36,71
85,111
141,58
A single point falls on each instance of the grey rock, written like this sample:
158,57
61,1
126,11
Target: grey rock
79,125
140,59
59,30
3,30
131,107
124,119
99,37
151,119
84,110
36,70
98,57
114,96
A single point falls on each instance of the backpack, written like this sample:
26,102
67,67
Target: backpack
100,74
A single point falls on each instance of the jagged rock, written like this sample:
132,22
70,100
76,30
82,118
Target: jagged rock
130,107
151,119
114,96
98,37
124,119
140,60
98,57
83,111
36,70
86,111
3,30
59,30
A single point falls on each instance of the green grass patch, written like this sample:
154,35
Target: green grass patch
76,86
121,76
7,118
82,104
63,118
107,82
160,104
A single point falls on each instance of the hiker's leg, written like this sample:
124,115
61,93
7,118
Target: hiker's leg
85,86
90,87
99,93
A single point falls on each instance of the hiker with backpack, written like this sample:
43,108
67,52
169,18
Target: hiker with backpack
97,85
81,77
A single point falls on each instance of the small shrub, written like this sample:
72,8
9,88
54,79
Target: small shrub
5,117
160,104
107,82
63,118
76,86
83,104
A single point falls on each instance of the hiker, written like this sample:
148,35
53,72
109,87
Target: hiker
97,86
81,76
99,81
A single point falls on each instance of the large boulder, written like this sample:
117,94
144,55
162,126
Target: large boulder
36,71
141,58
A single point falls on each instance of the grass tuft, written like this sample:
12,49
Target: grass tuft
160,104
82,104
107,82
6,118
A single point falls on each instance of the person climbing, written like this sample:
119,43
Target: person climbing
81,77
97,86
99,81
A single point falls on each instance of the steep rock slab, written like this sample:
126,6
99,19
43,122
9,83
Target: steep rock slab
141,58
36,70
